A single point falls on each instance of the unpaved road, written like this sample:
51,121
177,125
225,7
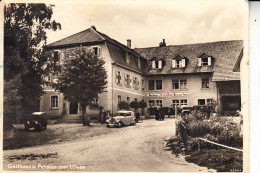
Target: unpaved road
132,149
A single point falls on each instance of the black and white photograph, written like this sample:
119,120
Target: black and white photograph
125,86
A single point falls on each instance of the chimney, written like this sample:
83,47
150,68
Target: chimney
162,43
93,27
129,43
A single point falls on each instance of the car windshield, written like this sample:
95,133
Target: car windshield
123,114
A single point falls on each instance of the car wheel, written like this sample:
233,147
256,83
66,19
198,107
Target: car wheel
26,128
120,124
39,127
134,123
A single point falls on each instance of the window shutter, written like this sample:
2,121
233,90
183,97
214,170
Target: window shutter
209,60
99,50
160,64
125,80
183,63
116,76
173,63
153,64
199,61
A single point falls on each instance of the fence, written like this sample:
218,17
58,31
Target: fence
221,145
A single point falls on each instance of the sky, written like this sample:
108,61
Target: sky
147,22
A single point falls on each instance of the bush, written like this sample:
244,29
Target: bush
142,104
123,105
134,104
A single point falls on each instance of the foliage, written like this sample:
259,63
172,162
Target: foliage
25,28
12,105
82,77
142,104
223,160
134,104
123,105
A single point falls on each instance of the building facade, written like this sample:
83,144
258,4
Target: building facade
183,75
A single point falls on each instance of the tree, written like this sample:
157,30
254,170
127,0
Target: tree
123,105
135,105
142,104
25,28
82,77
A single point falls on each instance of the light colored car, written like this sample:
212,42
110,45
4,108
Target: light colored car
122,118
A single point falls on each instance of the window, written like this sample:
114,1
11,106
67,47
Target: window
118,98
183,84
179,84
135,83
204,60
94,101
56,59
155,84
157,64
175,84
175,102
158,84
128,58
179,62
159,103
96,50
209,101
127,80
128,99
142,85
55,77
54,101
184,102
151,103
205,83
150,84
180,103
201,101
118,77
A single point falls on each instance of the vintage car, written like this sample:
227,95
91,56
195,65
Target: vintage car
122,118
36,120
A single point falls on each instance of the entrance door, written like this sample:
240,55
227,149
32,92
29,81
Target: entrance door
73,108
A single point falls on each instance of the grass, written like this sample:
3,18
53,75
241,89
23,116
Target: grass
222,160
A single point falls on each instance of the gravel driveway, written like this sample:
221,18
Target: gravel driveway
133,149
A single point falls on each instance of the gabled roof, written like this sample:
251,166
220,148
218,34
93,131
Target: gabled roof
87,36
225,55
91,37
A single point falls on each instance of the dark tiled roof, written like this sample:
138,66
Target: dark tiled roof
86,36
225,54
117,50
119,56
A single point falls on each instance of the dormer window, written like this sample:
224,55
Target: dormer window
204,60
127,58
178,62
157,64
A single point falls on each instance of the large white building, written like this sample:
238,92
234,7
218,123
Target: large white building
187,75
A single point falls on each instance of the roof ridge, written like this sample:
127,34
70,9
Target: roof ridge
189,44
68,37
97,33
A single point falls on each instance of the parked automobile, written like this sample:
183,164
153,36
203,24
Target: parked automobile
186,110
122,118
36,120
